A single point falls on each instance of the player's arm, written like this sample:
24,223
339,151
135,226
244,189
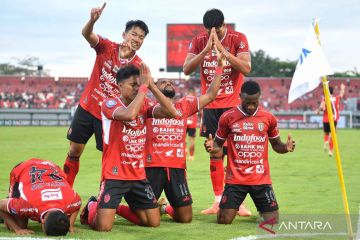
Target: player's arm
342,90
166,108
130,112
321,107
11,221
72,219
192,61
212,91
281,147
214,145
241,62
87,30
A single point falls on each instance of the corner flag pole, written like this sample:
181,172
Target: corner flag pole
325,84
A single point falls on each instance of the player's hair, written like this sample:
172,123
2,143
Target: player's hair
331,90
250,88
213,18
56,224
126,72
137,23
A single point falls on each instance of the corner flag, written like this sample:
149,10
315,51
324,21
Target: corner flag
311,66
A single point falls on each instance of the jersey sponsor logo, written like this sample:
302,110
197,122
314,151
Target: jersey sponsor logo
249,161
229,90
107,76
248,126
249,138
75,204
51,194
169,153
249,154
155,130
134,133
260,169
242,45
110,103
108,63
168,122
180,152
170,138
223,77
134,149
249,170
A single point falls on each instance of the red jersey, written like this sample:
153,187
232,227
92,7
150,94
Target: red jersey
166,137
335,105
41,187
102,83
247,138
192,121
123,142
231,80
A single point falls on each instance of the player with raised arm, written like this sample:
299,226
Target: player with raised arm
234,46
248,129
123,162
110,57
335,106
39,191
166,146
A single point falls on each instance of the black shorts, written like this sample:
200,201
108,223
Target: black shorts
262,195
210,120
191,132
137,193
326,126
173,182
83,126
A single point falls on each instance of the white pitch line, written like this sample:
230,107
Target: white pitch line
283,235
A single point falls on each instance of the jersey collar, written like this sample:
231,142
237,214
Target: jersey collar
245,114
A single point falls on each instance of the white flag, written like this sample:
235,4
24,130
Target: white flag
311,66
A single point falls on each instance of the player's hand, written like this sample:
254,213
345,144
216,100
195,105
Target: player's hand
217,42
220,57
209,143
23,231
290,143
125,50
210,42
342,86
145,75
96,12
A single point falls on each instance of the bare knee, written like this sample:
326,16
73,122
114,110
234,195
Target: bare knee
183,214
76,149
226,216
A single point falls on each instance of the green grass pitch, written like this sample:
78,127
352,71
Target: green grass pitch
305,182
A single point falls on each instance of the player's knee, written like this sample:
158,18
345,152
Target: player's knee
184,219
223,218
76,149
103,227
152,223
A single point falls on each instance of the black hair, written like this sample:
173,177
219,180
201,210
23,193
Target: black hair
56,224
137,23
331,90
126,72
250,88
213,18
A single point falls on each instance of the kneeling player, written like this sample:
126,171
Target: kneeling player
38,191
123,166
247,129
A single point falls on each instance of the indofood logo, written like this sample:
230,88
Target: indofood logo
249,138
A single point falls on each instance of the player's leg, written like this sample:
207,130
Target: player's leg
265,202
178,193
142,201
79,133
191,141
326,128
100,214
231,200
331,145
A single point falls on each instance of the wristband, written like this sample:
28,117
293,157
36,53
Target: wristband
143,88
218,71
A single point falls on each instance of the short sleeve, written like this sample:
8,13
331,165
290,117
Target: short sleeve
223,127
241,44
109,106
194,47
74,205
187,106
102,45
273,131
